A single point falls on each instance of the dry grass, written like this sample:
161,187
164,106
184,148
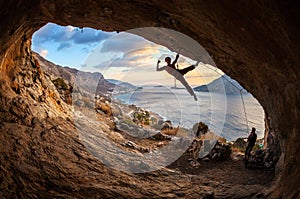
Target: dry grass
172,132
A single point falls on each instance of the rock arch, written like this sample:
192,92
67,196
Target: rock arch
255,42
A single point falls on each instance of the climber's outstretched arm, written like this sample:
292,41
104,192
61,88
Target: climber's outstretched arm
176,59
157,66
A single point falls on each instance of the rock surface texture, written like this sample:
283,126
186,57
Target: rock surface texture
255,42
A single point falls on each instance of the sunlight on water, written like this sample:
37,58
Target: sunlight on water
180,108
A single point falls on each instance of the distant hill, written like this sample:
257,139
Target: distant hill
85,79
70,75
218,86
121,86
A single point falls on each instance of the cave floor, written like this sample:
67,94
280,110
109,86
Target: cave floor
214,179
50,160
230,171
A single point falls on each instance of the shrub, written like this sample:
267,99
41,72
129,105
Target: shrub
256,147
60,83
142,117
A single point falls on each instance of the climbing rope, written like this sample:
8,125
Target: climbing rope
243,102
244,107
240,90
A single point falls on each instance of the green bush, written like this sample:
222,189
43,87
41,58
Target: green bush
60,83
128,121
142,117
256,147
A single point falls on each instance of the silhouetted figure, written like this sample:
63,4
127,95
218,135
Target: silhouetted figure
172,65
178,73
251,142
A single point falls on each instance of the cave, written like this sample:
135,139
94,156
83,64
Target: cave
254,42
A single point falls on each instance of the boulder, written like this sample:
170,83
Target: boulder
172,131
221,152
160,136
262,159
133,145
240,143
167,125
200,128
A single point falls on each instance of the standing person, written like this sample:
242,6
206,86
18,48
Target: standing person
251,142
178,73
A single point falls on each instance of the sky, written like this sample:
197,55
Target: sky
122,56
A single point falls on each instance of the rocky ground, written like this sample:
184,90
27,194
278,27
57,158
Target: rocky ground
208,178
226,178
49,159
46,152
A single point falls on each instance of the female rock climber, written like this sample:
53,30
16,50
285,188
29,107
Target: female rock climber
178,73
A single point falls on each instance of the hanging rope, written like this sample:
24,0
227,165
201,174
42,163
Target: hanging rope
244,107
177,67
216,70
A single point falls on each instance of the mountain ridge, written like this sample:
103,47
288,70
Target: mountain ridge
222,84
86,79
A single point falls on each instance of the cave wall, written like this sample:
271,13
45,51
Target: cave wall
255,42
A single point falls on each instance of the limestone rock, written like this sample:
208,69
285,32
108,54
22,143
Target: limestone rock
254,42
220,152
160,136
240,143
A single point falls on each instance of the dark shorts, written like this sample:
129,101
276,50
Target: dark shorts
186,70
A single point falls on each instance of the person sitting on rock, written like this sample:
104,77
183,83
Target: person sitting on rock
251,142
178,73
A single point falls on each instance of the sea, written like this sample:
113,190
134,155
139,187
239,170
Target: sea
229,116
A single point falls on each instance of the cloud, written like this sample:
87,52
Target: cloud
53,33
89,35
43,53
85,50
140,54
43,33
134,51
70,28
101,65
69,34
114,63
122,63
143,51
123,42
63,45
